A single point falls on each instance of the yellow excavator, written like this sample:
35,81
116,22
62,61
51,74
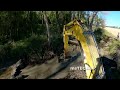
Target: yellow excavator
92,62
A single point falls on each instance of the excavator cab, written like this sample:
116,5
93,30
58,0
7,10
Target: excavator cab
93,65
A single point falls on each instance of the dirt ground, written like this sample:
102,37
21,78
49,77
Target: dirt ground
53,69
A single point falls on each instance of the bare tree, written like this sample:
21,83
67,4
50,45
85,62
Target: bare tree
90,18
73,13
93,17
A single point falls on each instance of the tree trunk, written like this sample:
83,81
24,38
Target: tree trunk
72,15
47,26
58,25
91,23
88,19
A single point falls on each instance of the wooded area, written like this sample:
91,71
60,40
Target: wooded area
38,35
34,37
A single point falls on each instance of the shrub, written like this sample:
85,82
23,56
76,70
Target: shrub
114,46
13,51
99,34
57,44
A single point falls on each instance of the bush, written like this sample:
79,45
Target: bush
99,34
57,44
114,46
13,51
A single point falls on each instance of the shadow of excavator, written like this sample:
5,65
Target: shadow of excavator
110,68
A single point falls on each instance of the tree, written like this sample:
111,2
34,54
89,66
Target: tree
47,26
93,17
31,29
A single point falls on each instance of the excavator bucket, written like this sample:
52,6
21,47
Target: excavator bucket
93,64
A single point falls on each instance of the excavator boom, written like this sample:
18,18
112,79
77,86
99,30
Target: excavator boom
92,62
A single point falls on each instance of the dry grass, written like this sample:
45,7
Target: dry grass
113,31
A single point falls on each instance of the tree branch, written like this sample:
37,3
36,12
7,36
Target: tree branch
91,23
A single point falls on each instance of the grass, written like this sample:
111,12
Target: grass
105,35
112,31
108,33
114,46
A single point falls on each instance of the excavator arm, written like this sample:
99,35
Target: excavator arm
92,61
